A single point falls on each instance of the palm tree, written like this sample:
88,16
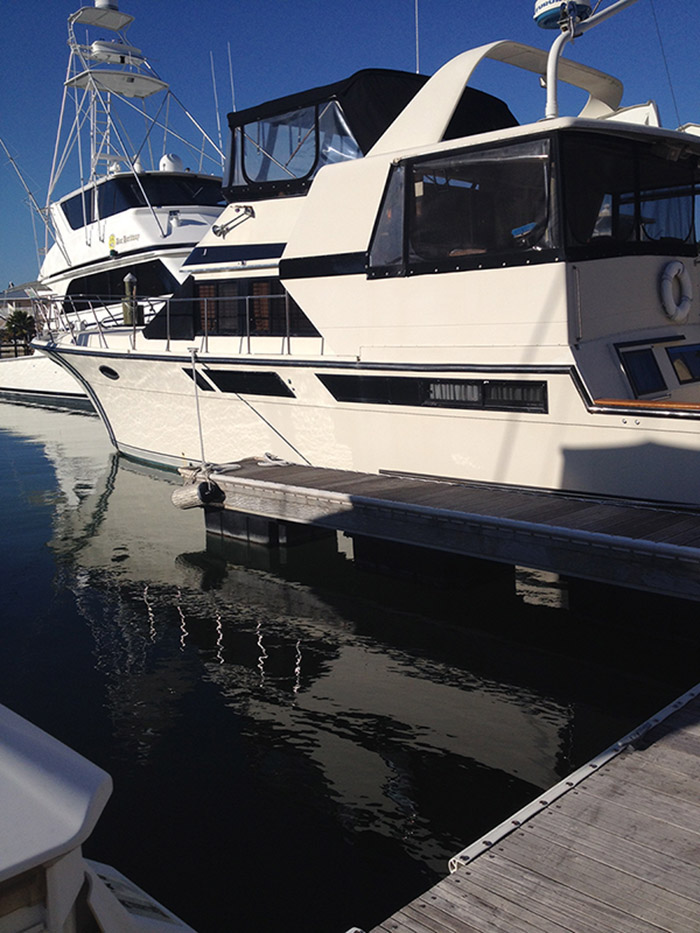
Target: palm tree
20,328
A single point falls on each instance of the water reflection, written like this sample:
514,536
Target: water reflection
356,725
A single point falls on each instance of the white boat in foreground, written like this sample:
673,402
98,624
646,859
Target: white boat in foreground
116,241
50,801
407,281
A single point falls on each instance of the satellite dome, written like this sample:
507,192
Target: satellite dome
171,163
548,12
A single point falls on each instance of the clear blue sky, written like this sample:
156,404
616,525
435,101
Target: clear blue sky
280,46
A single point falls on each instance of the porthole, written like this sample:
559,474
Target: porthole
109,372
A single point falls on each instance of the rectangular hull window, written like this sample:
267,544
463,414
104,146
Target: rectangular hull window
249,383
643,371
501,395
686,362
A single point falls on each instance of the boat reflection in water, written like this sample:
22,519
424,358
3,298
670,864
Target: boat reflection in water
281,723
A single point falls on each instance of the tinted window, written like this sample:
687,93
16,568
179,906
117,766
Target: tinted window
456,211
686,362
625,197
503,395
250,307
643,371
119,194
152,279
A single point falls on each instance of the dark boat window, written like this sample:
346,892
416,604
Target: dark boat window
126,191
198,378
501,395
627,197
686,362
465,210
153,279
250,307
643,371
249,383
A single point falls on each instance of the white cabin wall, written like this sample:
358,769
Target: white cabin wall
622,296
340,209
448,316
271,222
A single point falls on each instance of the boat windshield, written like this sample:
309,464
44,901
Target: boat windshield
125,191
626,197
291,147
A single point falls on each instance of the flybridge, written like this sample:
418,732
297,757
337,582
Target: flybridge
279,146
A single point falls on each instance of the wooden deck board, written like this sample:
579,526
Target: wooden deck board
619,852
662,779
611,885
677,874
554,905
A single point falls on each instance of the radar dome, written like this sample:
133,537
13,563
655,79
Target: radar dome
171,163
549,12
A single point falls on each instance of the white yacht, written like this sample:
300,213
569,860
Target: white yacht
50,801
115,242
407,281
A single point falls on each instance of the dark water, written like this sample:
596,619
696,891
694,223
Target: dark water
298,740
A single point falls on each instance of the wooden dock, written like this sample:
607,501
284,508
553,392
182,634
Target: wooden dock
615,848
616,542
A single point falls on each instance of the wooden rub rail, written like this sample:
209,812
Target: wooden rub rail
612,849
616,542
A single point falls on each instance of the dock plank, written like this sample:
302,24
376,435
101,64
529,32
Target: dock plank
657,802
659,867
673,782
555,905
612,885
618,851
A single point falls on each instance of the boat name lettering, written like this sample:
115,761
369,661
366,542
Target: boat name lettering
120,240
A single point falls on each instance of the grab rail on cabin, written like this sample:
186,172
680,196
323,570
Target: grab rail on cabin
646,404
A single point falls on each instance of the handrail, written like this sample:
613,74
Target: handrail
248,317
651,404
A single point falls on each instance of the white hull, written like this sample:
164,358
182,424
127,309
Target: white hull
37,380
577,446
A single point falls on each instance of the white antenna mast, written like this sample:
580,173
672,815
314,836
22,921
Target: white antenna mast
230,75
44,214
216,101
417,47
573,19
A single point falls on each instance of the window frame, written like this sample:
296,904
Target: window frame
495,258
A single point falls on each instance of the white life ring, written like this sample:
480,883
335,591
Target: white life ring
678,311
